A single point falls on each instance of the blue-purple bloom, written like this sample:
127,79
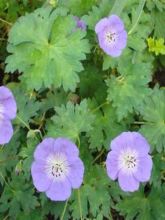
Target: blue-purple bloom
129,161
8,110
111,35
80,23
57,168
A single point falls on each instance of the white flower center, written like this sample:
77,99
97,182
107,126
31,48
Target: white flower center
1,111
57,166
110,37
128,160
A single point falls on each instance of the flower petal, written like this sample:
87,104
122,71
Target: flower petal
8,101
131,140
66,146
112,165
115,22
5,93
114,52
10,108
76,174
143,172
140,144
120,142
59,191
44,149
122,40
6,131
101,25
127,183
40,179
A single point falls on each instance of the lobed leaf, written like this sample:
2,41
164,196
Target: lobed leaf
70,120
49,51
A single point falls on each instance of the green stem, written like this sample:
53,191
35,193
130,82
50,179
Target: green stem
3,39
23,122
79,203
118,7
42,120
7,159
120,78
4,21
2,146
27,126
98,156
105,103
163,158
139,122
38,131
6,183
78,140
143,123
138,15
6,217
63,213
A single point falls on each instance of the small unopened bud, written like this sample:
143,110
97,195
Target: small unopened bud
53,3
18,168
74,98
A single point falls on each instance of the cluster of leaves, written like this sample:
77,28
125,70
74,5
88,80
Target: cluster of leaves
65,85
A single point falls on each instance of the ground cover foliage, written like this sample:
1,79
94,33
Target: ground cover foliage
66,86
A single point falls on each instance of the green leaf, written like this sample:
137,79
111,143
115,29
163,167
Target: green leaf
49,51
158,19
8,155
92,84
155,4
106,128
56,97
158,170
78,7
35,215
157,200
137,16
27,106
139,30
140,206
127,91
153,112
18,196
95,193
71,120
134,206
74,208
26,155
118,7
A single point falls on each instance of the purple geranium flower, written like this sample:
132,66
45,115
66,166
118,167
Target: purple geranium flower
129,160
80,23
57,168
8,110
111,35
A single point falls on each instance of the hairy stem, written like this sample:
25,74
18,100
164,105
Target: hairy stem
79,203
6,22
23,122
97,108
63,213
118,7
98,156
138,15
